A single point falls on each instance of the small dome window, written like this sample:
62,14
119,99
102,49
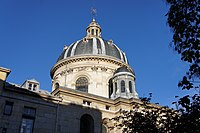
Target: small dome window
82,84
130,87
110,87
122,86
56,86
92,31
115,86
96,32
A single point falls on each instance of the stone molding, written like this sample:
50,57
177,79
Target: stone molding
87,58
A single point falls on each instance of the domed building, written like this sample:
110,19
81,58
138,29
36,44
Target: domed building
91,83
96,66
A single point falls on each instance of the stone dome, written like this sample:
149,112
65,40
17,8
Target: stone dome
122,70
93,44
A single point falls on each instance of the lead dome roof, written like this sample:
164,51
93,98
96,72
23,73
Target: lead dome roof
93,44
123,69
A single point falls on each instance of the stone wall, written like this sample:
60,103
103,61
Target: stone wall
52,114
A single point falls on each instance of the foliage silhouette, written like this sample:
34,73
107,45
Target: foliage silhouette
183,19
149,118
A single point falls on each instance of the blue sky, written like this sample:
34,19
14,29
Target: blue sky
33,33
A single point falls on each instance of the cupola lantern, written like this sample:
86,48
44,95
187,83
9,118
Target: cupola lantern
94,29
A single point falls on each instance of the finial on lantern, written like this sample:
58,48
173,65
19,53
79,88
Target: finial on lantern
93,12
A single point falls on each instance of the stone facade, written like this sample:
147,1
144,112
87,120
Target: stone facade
53,115
60,112
97,71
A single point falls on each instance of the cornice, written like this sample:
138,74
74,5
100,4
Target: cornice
23,91
87,58
100,99
2,69
88,68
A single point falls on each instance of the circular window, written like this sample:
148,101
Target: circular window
56,86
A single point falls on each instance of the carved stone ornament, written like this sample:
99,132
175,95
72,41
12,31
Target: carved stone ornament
81,68
63,73
94,68
104,69
56,77
70,70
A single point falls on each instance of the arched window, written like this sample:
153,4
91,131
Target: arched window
122,86
86,124
96,32
115,86
130,87
56,86
104,128
110,87
92,31
82,84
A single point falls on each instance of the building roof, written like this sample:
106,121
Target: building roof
93,44
123,69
